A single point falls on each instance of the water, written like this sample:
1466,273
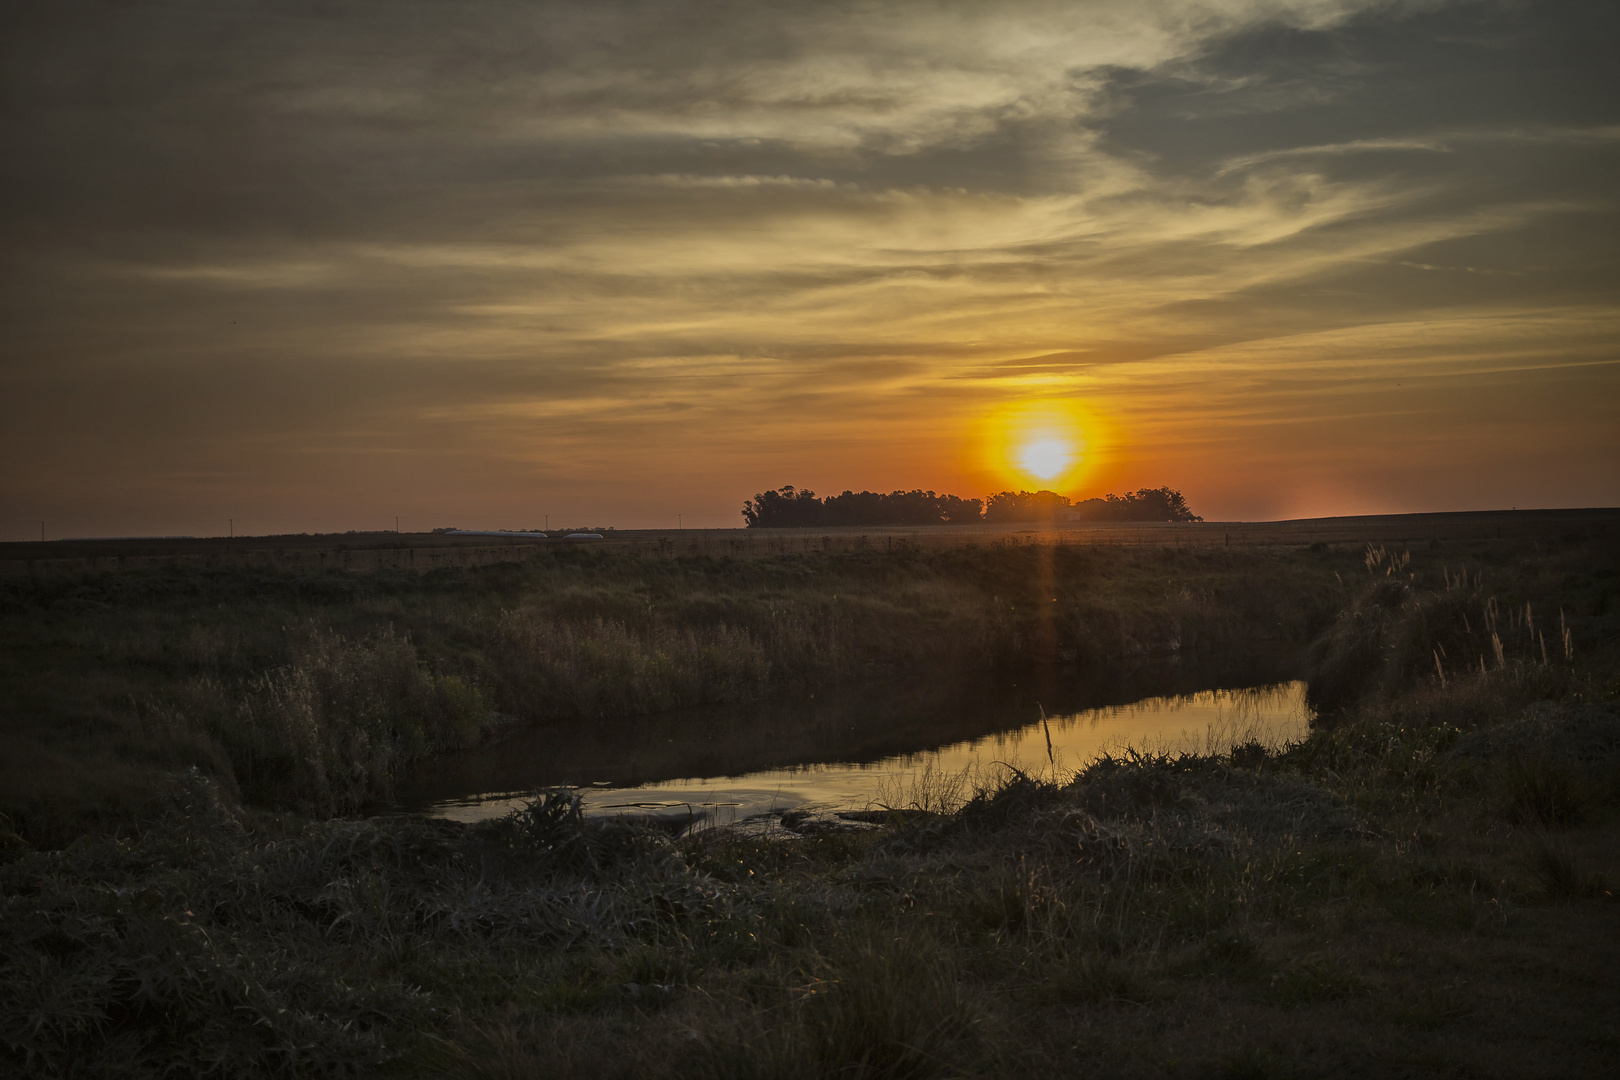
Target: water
864,745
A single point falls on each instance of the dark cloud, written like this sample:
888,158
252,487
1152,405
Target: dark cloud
1382,75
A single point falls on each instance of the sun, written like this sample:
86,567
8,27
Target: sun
1046,457
1045,443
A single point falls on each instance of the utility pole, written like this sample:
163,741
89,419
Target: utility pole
548,523
42,532
680,524
396,524
233,527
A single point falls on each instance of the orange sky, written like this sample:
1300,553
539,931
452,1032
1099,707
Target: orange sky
479,264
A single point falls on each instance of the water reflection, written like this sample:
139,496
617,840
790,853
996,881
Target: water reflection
863,745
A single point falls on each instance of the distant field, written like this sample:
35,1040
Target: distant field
427,551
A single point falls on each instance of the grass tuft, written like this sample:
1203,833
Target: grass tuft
884,1004
1541,792
1556,868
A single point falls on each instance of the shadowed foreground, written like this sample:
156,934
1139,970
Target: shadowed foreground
1423,886
1445,906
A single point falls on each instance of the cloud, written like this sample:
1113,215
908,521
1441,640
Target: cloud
577,233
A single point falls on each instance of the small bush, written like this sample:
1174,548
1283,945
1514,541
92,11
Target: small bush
896,1009
1345,660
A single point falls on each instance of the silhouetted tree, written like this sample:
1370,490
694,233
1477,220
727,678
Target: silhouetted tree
784,508
958,511
1025,506
1143,504
854,509
787,507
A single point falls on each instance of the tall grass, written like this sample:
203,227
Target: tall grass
330,731
595,667
1468,649
313,691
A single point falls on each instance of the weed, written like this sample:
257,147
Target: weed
332,729
932,791
1010,901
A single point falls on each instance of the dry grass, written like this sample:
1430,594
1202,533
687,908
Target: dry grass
313,690
1422,886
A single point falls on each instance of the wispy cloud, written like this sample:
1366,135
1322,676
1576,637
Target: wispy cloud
589,248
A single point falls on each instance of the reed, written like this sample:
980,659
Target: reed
312,691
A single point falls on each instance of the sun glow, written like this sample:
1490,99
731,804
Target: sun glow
1045,458
1045,443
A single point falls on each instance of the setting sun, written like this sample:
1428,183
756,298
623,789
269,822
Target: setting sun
1045,443
1046,457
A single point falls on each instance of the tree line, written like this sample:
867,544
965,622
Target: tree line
789,507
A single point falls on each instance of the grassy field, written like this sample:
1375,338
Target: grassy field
311,690
1423,886
429,551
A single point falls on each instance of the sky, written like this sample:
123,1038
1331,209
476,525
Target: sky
286,267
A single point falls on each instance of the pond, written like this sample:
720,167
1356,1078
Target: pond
868,744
